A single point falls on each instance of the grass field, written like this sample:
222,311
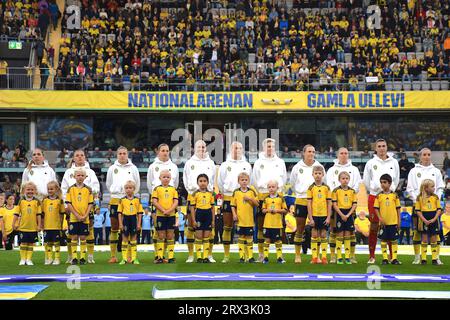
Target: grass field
142,290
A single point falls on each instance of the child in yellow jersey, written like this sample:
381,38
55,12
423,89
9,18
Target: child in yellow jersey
344,205
6,220
428,209
165,199
243,202
130,215
53,211
387,208
79,200
202,213
319,214
274,207
30,219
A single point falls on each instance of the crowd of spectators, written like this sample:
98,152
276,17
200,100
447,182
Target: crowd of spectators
251,45
13,157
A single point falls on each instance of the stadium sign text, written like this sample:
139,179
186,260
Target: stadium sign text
356,100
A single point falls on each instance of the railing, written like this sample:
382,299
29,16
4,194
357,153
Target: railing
22,78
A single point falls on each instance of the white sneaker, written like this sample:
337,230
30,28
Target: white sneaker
261,257
226,260
29,263
211,259
439,262
190,259
22,263
371,261
90,259
69,260
56,262
333,261
353,261
48,262
416,259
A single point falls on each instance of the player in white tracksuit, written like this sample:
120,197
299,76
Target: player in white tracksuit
381,163
301,179
199,163
39,172
228,182
342,163
268,167
79,161
422,170
162,162
119,173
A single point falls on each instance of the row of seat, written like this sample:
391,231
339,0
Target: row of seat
417,85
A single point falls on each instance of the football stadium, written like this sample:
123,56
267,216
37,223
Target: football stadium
224,149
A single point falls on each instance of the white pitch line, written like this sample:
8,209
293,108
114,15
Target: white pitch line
224,293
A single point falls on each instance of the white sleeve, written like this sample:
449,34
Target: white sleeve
25,176
109,178
329,178
293,177
367,176
440,186
65,184
411,187
284,176
53,174
396,179
221,177
150,179
255,174
176,181
213,175
357,177
95,185
137,179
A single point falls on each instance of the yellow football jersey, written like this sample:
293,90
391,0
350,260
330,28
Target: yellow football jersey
52,210
202,200
28,212
165,196
7,215
344,199
301,201
319,196
387,204
244,209
430,204
274,220
80,199
130,207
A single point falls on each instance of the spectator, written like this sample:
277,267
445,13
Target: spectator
107,224
218,226
445,220
146,227
405,226
405,167
136,156
181,226
99,220
291,225
362,225
446,164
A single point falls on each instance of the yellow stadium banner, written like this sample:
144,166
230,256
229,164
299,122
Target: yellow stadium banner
224,101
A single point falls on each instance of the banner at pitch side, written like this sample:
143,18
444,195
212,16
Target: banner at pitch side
223,101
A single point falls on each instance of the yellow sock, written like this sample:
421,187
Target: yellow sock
133,245
90,247
249,247
226,238
23,252
266,248
160,248
74,248
155,241
314,248
394,245
83,248
48,251
170,248
57,251
211,246
198,248
423,251
339,241
416,242
384,250
113,240
348,248
206,246
260,242
333,244
298,244
30,252
438,249
278,247
69,248
324,247
241,246
124,250
352,245
190,240
434,254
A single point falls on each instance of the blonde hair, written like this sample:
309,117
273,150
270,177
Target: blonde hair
31,162
308,146
69,164
272,182
165,171
26,185
343,173
79,170
130,183
122,148
317,169
243,174
425,184
58,188
267,141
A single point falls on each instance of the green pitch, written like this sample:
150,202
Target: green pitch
142,290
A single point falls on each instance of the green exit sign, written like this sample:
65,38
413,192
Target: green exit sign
15,45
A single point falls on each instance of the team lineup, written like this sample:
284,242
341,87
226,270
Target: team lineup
324,199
